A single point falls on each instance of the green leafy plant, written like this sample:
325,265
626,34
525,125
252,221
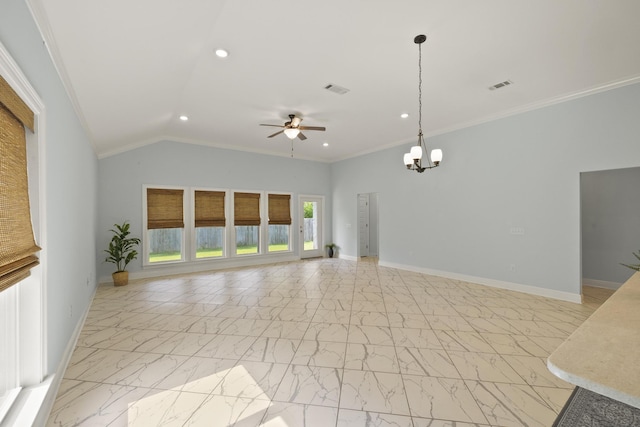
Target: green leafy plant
331,247
635,267
308,210
121,248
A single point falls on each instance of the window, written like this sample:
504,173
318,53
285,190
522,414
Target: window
165,225
279,222
209,223
23,329
260,223
311,236
17,244
246,209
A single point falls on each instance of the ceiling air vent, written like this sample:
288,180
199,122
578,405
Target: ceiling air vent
500,85
336,89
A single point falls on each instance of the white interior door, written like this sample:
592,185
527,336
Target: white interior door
310,223
363,224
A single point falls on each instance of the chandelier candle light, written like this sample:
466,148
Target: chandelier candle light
413,159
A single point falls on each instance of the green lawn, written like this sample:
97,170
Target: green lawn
164,256
208,253
212,253
278,248
308,246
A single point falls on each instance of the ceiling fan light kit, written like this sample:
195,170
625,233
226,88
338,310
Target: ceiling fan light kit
291,133
413,159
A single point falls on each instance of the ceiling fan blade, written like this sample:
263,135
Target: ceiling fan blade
295,121
277,133
312,128
301,136
277,126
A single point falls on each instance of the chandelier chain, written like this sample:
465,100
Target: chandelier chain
420,88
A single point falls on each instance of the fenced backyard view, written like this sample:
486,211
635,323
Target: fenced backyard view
166,244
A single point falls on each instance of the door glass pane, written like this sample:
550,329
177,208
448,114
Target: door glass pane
278,238
165,244
247,239
209,242
310,227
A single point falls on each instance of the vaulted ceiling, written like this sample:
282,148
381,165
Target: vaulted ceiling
133,67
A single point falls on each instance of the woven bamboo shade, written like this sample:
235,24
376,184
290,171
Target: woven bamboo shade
164,208
17,244
279,209
10,99
246,208
210,209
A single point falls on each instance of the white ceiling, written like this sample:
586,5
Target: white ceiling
132,67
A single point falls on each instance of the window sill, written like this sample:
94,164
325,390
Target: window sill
215,260
187,267
27,405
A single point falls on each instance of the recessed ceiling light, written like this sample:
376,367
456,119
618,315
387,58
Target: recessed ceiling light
221,53
326,144
184,118
404,115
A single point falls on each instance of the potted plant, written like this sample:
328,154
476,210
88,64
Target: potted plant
331,248
635,267
121,252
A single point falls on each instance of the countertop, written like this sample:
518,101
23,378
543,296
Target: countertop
603,354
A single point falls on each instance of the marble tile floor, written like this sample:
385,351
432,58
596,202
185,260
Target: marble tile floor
324,342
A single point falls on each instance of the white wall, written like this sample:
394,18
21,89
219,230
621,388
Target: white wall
610,203
71,184
520,171
122,176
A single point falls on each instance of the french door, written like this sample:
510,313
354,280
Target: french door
310,222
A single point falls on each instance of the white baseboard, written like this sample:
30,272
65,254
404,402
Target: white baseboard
601,284
348,257
527,289
198,267
56,378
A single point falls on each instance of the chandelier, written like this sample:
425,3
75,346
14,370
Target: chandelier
413,159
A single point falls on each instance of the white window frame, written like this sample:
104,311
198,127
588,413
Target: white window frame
25,333
229,251
233,249
266,222
186,236
192,225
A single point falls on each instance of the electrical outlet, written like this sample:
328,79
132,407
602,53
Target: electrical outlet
512,267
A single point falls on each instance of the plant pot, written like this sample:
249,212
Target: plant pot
120,278
330,252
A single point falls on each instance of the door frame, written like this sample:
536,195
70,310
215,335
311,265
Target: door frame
319,252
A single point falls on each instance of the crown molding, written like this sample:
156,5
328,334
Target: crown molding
507,113
42,23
